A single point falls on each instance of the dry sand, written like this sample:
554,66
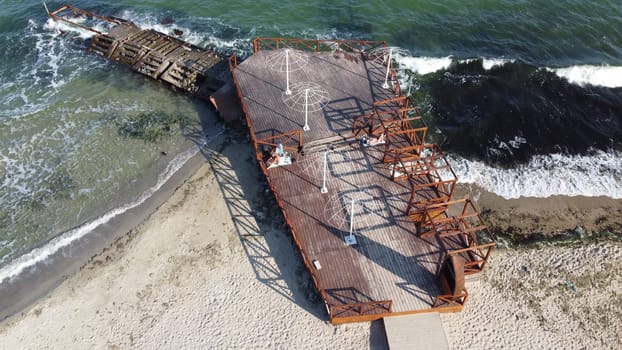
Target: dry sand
214,268
549,298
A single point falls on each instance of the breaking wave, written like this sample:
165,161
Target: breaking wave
596,75
597,174
607,76
40,254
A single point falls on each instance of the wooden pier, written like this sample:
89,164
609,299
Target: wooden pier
162,57
395,196
369,203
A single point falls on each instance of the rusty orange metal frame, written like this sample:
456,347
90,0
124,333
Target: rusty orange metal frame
291,141
62,14
435,161
479,252
468,220
443,186
360,309
448,300
416,160
389,115
466,228
316,45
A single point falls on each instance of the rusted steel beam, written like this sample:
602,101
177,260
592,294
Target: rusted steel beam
60,15
360,309
448,300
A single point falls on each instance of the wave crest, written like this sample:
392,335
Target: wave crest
606,76
596,174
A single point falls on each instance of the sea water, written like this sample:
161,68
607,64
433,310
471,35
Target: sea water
525,97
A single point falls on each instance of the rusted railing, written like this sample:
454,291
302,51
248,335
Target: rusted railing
448,300
465,229
442,192
62,13
478,256
315,45
361,309
233,62
291,141
386,115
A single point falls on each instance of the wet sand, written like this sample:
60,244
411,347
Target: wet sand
214,267
529,218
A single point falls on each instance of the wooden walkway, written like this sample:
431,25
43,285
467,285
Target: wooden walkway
353,84
416,332
395,264
389,261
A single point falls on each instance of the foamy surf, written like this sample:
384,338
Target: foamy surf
606,76
425,65
39,255
603,75
597,174
205,39
34,85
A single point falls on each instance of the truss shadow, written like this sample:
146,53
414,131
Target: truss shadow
260,227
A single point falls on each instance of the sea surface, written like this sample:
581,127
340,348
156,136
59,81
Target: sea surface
525,97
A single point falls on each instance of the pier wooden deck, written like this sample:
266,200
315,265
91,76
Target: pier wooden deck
414,244
353,84
394,268
389,262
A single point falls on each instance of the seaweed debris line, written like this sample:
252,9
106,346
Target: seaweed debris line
199,72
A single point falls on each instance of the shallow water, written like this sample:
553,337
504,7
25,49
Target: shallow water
515,91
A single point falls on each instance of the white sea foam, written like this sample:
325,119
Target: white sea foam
425,65
200,39
44,73
489,63
60,27
40,254
607,76
597,174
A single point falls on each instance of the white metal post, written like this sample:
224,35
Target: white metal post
324,189
386,78
287,90
306,127
351,240
352,217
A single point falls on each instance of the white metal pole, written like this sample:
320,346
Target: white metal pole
287,90
386,78
352,217
324,189
306,127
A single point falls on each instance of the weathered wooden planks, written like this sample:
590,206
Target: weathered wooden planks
389,262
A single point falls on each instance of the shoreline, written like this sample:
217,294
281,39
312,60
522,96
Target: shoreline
203,259
39,279
534,221
213,264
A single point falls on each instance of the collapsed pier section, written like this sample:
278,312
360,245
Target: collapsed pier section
160,56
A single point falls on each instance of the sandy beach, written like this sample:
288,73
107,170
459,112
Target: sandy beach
214,268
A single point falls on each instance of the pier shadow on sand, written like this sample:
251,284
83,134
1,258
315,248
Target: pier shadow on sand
260,226
262,232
